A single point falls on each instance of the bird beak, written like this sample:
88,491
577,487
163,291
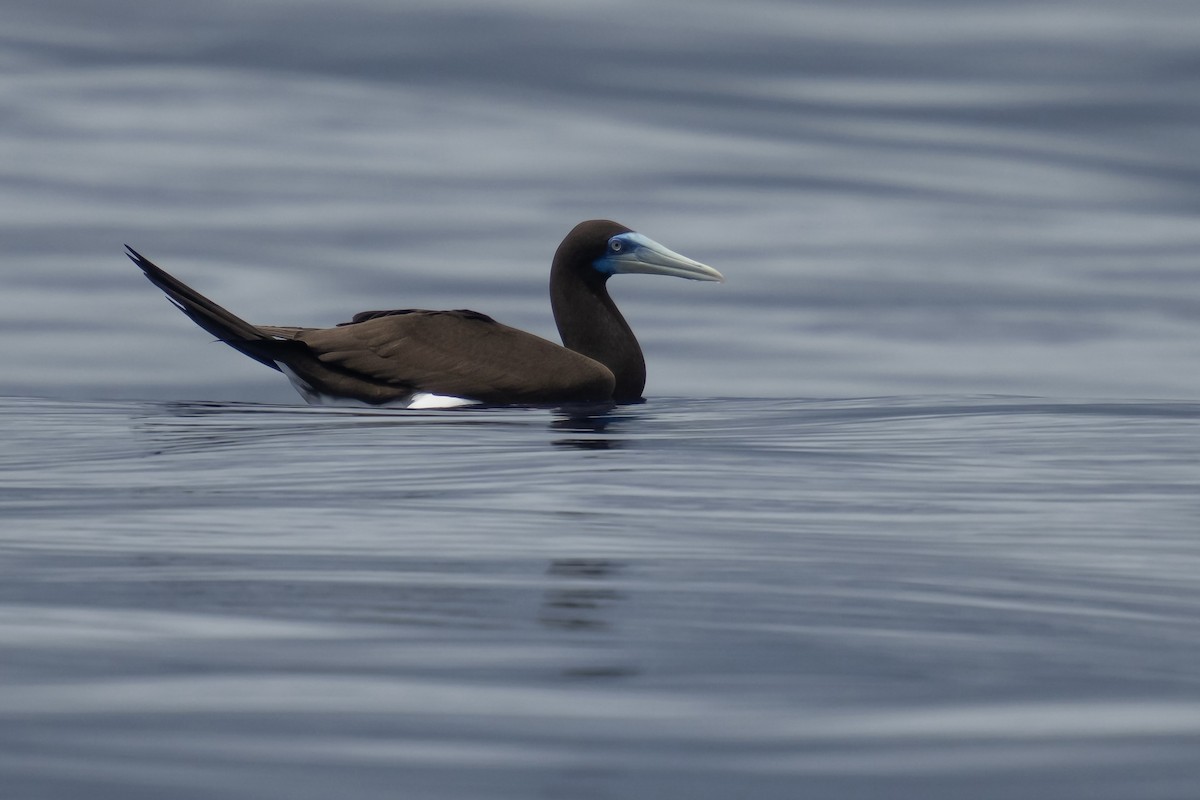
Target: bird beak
643,255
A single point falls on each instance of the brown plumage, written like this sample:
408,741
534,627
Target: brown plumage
387,357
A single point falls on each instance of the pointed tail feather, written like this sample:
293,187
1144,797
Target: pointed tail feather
226,326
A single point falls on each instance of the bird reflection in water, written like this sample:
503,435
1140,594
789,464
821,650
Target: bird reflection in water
593,421
581,603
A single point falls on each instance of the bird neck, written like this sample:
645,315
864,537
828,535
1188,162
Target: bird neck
589,323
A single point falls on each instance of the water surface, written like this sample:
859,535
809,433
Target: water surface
906,198
910,511
933,596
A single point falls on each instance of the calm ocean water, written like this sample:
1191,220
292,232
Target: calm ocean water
944,597
911,509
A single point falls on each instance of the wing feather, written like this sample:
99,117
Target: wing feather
458,353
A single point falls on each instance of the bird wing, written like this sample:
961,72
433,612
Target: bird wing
363,316
457,353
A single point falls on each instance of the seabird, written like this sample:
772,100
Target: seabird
418,358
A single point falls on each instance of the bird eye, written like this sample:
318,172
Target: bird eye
616,245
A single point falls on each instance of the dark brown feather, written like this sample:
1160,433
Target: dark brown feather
387,356
461,354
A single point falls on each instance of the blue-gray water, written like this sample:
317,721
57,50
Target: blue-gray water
878,598
911,509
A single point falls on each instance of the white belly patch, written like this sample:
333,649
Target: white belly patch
417,400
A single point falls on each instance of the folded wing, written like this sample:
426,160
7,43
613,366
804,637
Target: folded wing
457,353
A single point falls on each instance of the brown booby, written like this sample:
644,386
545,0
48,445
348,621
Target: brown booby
414,357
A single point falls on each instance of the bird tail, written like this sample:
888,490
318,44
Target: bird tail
226,326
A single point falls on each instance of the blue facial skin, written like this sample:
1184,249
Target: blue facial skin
621,246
